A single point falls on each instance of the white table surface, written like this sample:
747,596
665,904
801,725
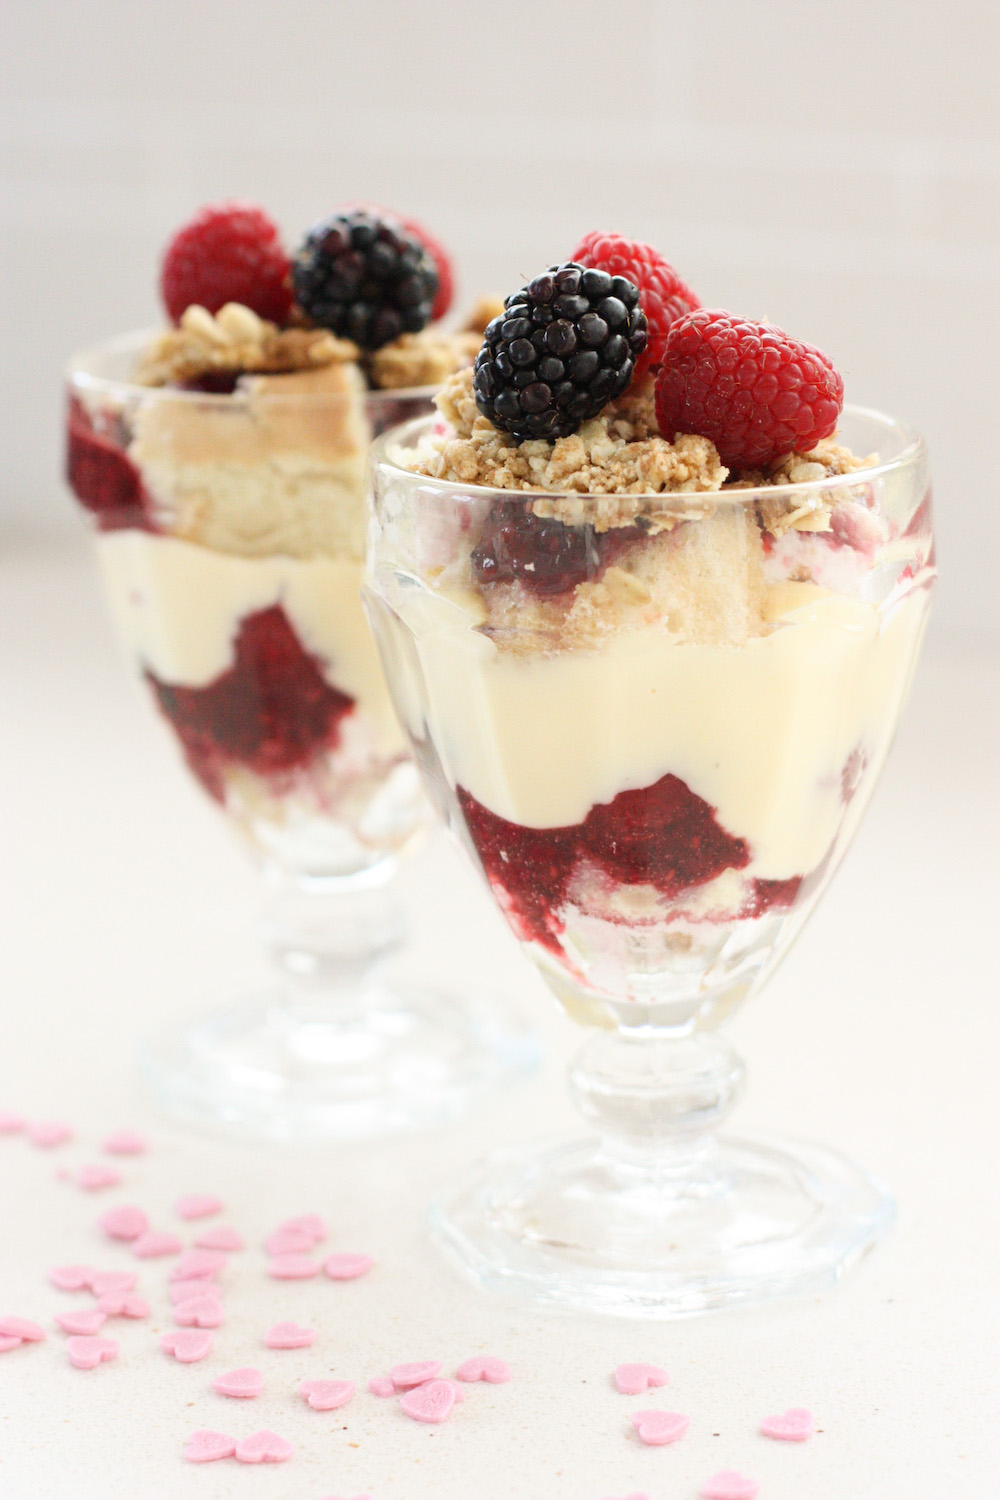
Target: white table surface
124,899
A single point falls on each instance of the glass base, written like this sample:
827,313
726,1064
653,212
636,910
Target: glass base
727,1222
292,1066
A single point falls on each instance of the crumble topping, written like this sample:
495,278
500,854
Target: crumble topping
236,340
424,358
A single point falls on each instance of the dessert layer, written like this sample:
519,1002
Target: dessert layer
179,607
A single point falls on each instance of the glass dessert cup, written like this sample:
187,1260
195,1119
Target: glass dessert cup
229,530
657,768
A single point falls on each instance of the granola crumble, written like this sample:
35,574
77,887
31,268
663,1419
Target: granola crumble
424,358
236,340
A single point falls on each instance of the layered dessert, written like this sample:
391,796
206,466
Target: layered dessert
222,460
650,618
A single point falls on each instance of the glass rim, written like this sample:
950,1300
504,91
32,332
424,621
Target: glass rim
80,377
913,450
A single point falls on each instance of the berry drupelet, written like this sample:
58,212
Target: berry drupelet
564,347
366,278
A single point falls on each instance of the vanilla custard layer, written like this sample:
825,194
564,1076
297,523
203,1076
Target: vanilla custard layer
763,731
178,607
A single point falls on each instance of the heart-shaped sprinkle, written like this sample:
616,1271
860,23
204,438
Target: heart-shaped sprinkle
183,1291
49,1133
123,1305
22,1328
124,1222
381,1385
292,1267
112,1281
430,1402
86,1352
157,1242
9,1342
187,1345
200,1312
415,1373
204,1447
657,1428
791,1426
729,1484
632,1380
198,1265
326,1395
263,1448
289,1336
306,1224
72,1278
94,1177
10,1123
84,1320
220,1237
125,1143
345,1266
244,1383
484,1367
290,1242
197,1206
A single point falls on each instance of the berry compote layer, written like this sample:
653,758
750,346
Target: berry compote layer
655,718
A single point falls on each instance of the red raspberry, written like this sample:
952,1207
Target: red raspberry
663,296
755,392
229,252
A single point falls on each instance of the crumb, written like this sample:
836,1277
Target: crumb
425,358
236,340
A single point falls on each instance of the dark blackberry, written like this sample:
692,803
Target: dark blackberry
542,554
564,347
365,278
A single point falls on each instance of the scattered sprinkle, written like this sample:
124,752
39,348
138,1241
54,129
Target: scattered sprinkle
381,1385
124,1222
10,1123
244,1383
49,1133
112,1281
86,1352
197,1206
204,1447
657,1428
430,1402
415,1373
484,1367
729,1484
220,1237
187,1345
289,1336
326,1395
125,1143
156,1242
96,1176
123,1305
198,1265
791,1426
22,1328
292,1267
632,1380
82,1320
200,1312
263,1448
345,1266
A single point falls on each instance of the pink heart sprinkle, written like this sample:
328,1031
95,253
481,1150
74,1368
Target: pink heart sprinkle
204,1447
415,1373
83,1320
183,1291
157,1242
430,1402
306,1224
9,1342
123,1305
220,1237
791,1426
729,1484
292,1267
244,1383
22,1328
289,1242
85,1352
49,1132
125,1143
345,1266
10,1123
125,1222
187,1345
289,1336
632,1380
198,1265
657,1428
326,1395
263,1448
197,1206
484,1367
112,1281
200,1312
72,1278
93,1178
381,1385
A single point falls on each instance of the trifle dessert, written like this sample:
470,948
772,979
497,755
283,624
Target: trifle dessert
222,462
649,600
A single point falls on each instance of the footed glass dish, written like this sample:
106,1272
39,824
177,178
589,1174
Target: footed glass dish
655,721
229,528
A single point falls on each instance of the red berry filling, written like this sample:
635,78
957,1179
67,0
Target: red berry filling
229,252
545,556
663,296
103,477
663,835
272,711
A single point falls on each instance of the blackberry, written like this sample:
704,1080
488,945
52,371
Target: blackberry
564,347
365,278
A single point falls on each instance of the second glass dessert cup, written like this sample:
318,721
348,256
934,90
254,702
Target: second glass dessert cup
657,750
229,528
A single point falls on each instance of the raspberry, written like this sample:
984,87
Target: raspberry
564,346
103,477
663,296
544,555
758,394
365,277
229,252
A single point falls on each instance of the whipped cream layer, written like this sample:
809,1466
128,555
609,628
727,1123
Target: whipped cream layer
763,732
177,607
